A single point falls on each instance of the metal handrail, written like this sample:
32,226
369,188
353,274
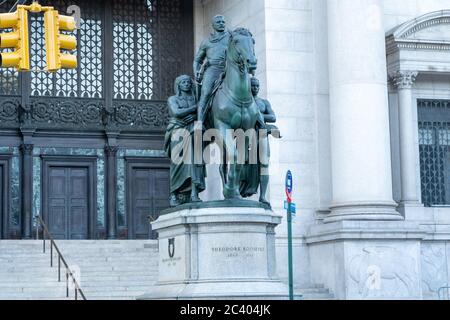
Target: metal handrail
60,259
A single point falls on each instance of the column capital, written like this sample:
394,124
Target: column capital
26,149
111,151
403,79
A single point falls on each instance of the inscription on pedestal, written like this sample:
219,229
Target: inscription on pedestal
172,258
232,255
171,261
238,251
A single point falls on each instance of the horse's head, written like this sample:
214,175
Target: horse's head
241,50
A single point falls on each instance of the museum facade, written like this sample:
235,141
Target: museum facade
361,90
76,143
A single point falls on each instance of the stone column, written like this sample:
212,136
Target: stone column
359,114
403,81
111,191
27,189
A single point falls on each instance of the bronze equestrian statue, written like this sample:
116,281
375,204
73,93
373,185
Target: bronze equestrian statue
228,103
233,107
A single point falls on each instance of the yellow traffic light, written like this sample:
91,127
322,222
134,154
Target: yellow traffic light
16,40
55,41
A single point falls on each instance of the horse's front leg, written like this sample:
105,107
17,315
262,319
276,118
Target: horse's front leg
232,174
223,167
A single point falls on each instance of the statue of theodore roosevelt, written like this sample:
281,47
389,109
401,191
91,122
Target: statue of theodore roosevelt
209,62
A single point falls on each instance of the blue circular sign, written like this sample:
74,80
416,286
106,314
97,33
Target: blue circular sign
289,181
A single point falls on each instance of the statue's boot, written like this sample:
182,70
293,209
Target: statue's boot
195,199
194,195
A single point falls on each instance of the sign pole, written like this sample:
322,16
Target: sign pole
289,226
289,229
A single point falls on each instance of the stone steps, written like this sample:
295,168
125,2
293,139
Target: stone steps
108,269
24,263
92,290
96,269
118,270
87,279
87,283
315,292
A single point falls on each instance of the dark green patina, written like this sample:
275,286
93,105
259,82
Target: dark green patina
187,179
234,203
223,68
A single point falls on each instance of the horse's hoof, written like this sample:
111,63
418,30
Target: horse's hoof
265,202
229,193
234,197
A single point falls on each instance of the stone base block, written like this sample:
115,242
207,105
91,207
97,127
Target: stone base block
220,290
218,250
382,211
367,260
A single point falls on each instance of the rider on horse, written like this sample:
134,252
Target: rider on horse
211,58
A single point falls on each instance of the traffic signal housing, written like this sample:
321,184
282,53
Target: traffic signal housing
55,41
17,40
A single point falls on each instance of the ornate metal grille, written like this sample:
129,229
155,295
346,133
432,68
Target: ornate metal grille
150,47
134,23
171,57
434,146
91,63
86,81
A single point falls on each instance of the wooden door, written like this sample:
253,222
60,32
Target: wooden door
149,196
68,202
2,218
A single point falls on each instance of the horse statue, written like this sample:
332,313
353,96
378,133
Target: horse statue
233,107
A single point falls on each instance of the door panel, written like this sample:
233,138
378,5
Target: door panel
161,193
78,205
68,202
2,218
149,195
142,185
58,184
57,211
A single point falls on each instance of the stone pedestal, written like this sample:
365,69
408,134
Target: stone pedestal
217,250
367,259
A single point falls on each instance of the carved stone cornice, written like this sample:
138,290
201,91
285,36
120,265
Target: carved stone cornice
403,79
83,114
404,37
